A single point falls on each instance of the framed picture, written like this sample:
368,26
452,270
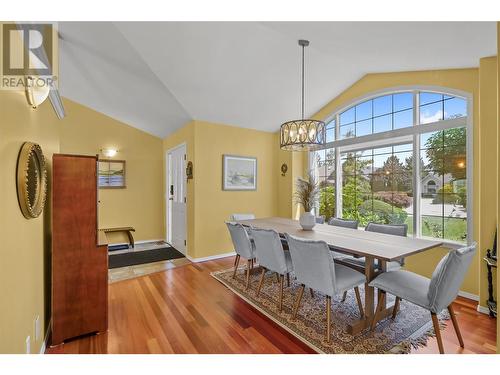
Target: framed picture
111,174
239,173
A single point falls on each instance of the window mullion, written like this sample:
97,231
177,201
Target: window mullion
338,174
417,220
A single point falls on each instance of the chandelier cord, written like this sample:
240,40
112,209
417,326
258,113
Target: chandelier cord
303,46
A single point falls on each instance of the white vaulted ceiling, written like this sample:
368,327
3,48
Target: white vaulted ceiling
156,76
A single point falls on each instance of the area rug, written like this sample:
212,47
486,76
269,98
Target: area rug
144,256
411,328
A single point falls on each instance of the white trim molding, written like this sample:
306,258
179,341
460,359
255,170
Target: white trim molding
483,310
468,295
211,257
139,242
45,342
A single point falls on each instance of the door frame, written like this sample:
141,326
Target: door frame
168,235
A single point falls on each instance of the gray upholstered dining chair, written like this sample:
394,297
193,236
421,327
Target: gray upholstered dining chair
320,219
243,247
315,267
337,222
344,223
394,230
433,294
272,257
391,229
237,217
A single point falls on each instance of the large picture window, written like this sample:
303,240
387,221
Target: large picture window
399,158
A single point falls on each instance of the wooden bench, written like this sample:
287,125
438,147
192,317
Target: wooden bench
127,230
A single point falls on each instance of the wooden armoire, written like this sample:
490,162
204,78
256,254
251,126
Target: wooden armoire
79,254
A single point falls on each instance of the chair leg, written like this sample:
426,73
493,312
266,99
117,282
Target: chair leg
455,325
288,279
344,296
360,304
380,304
396,308
277,277
261,281
328,319
435,322
236,264
297,301
312,293
252,264
282,279
249,264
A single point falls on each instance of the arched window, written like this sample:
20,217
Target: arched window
400,157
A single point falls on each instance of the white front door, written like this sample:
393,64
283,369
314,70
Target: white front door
176,198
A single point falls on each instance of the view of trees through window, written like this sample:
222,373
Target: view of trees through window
377,183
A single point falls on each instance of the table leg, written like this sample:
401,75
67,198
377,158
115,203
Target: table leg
383,268
365,322
369,291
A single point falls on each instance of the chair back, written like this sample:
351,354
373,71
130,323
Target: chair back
352,224
394,229
320,219
241,241
313,264
448,277
268,249
237,217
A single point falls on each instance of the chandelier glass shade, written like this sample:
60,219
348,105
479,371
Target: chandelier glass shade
304,134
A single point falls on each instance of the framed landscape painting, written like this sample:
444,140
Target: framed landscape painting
239,173
111,174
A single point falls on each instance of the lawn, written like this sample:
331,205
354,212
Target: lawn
432,226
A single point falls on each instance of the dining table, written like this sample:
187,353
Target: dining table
376,249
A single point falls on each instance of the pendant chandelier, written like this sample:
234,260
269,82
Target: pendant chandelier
304,134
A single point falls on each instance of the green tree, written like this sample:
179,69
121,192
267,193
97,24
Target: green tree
327,202
356,188
446,152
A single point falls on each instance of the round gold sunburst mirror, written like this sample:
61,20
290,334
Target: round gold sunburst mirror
31,180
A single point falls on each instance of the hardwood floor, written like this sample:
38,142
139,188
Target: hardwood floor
185,310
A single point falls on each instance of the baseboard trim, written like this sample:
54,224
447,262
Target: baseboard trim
136,242
483,310
467,295
45,342
212,257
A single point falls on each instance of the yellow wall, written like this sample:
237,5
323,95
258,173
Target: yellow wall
25,249
488,161
498,166
466,80
207,203
139,205
25,246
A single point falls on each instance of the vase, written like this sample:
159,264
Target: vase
307,220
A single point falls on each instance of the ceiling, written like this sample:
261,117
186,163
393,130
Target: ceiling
156,76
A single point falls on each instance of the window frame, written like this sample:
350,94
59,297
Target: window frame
406,135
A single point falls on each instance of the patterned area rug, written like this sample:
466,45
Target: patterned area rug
411,328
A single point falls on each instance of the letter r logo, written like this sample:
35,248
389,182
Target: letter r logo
27,49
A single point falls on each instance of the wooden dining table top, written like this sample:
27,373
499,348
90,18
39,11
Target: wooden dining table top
352,241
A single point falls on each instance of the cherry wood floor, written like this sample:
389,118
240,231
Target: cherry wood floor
185,310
